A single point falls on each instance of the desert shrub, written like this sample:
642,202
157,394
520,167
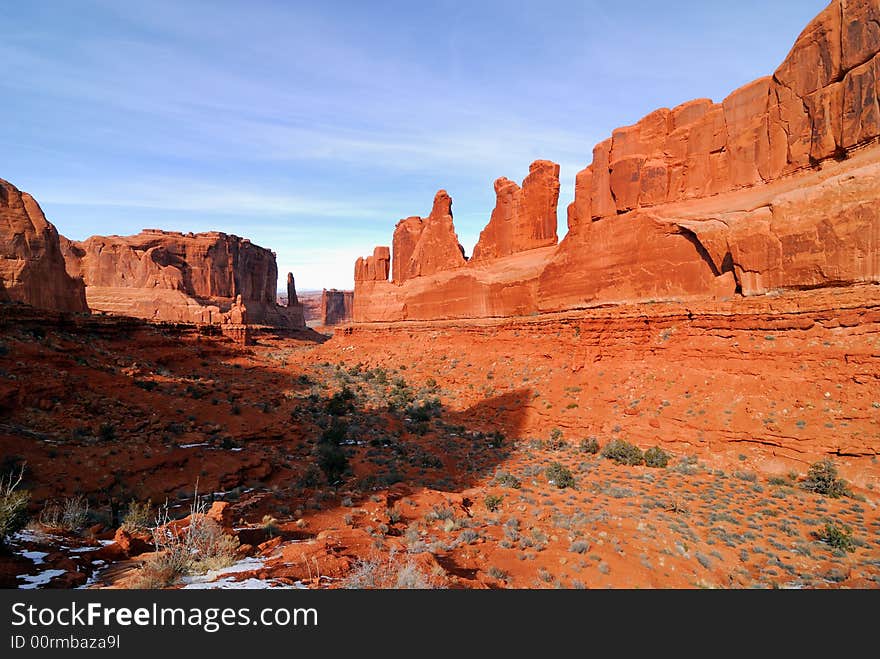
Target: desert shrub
507,480
838,537
70,514
332,461
425,410
197,548
392,573
311,477
107,432
13,505
497,573
656,457
622,452
495,439
560,475
440,513
589,445
467,537
556,442
270,525
139,517
579,547
822,478
493,502
340,403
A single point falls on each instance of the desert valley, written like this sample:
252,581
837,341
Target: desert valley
682,392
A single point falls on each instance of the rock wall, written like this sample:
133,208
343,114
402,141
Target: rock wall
164,275
336,306
375,267
524,217
425,246
777,187
821,102
32,268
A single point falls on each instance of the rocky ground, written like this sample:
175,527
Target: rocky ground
454,455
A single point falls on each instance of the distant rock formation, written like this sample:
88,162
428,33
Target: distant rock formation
776,187
524,218
171,276
292,300
336,306
32,268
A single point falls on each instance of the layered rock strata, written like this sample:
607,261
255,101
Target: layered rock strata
777,187
32,268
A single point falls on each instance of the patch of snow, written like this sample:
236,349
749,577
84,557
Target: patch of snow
246,584
244,565
82,550
194,445
240,448
35,535
37,580
36,556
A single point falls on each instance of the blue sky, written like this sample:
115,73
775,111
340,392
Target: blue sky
311,128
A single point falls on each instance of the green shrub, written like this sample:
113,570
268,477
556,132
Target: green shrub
822,479
13,505
340,403
332,461
590,445
493,502
140,516
622,452
656,457
560,475
838,537
507,480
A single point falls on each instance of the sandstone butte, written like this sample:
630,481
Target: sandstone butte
170,276
775,188
336,306
31,263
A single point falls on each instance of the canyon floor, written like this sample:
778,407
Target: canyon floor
418,453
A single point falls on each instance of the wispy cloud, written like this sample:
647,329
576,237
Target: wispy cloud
208,198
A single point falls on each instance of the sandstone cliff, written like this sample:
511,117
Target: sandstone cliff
776,187
336,306
424,246
524,218
32,268
164,275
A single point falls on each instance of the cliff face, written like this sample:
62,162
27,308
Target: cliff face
424,246
32,268
776,187
524,218
165,275
336,306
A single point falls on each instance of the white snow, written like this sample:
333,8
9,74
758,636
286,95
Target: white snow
36,556
194,445
221,579
37,580
246,584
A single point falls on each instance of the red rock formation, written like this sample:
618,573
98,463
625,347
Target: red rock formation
32,267
375,267
336,306
776,187
523,218
292,300
164,275
424,246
